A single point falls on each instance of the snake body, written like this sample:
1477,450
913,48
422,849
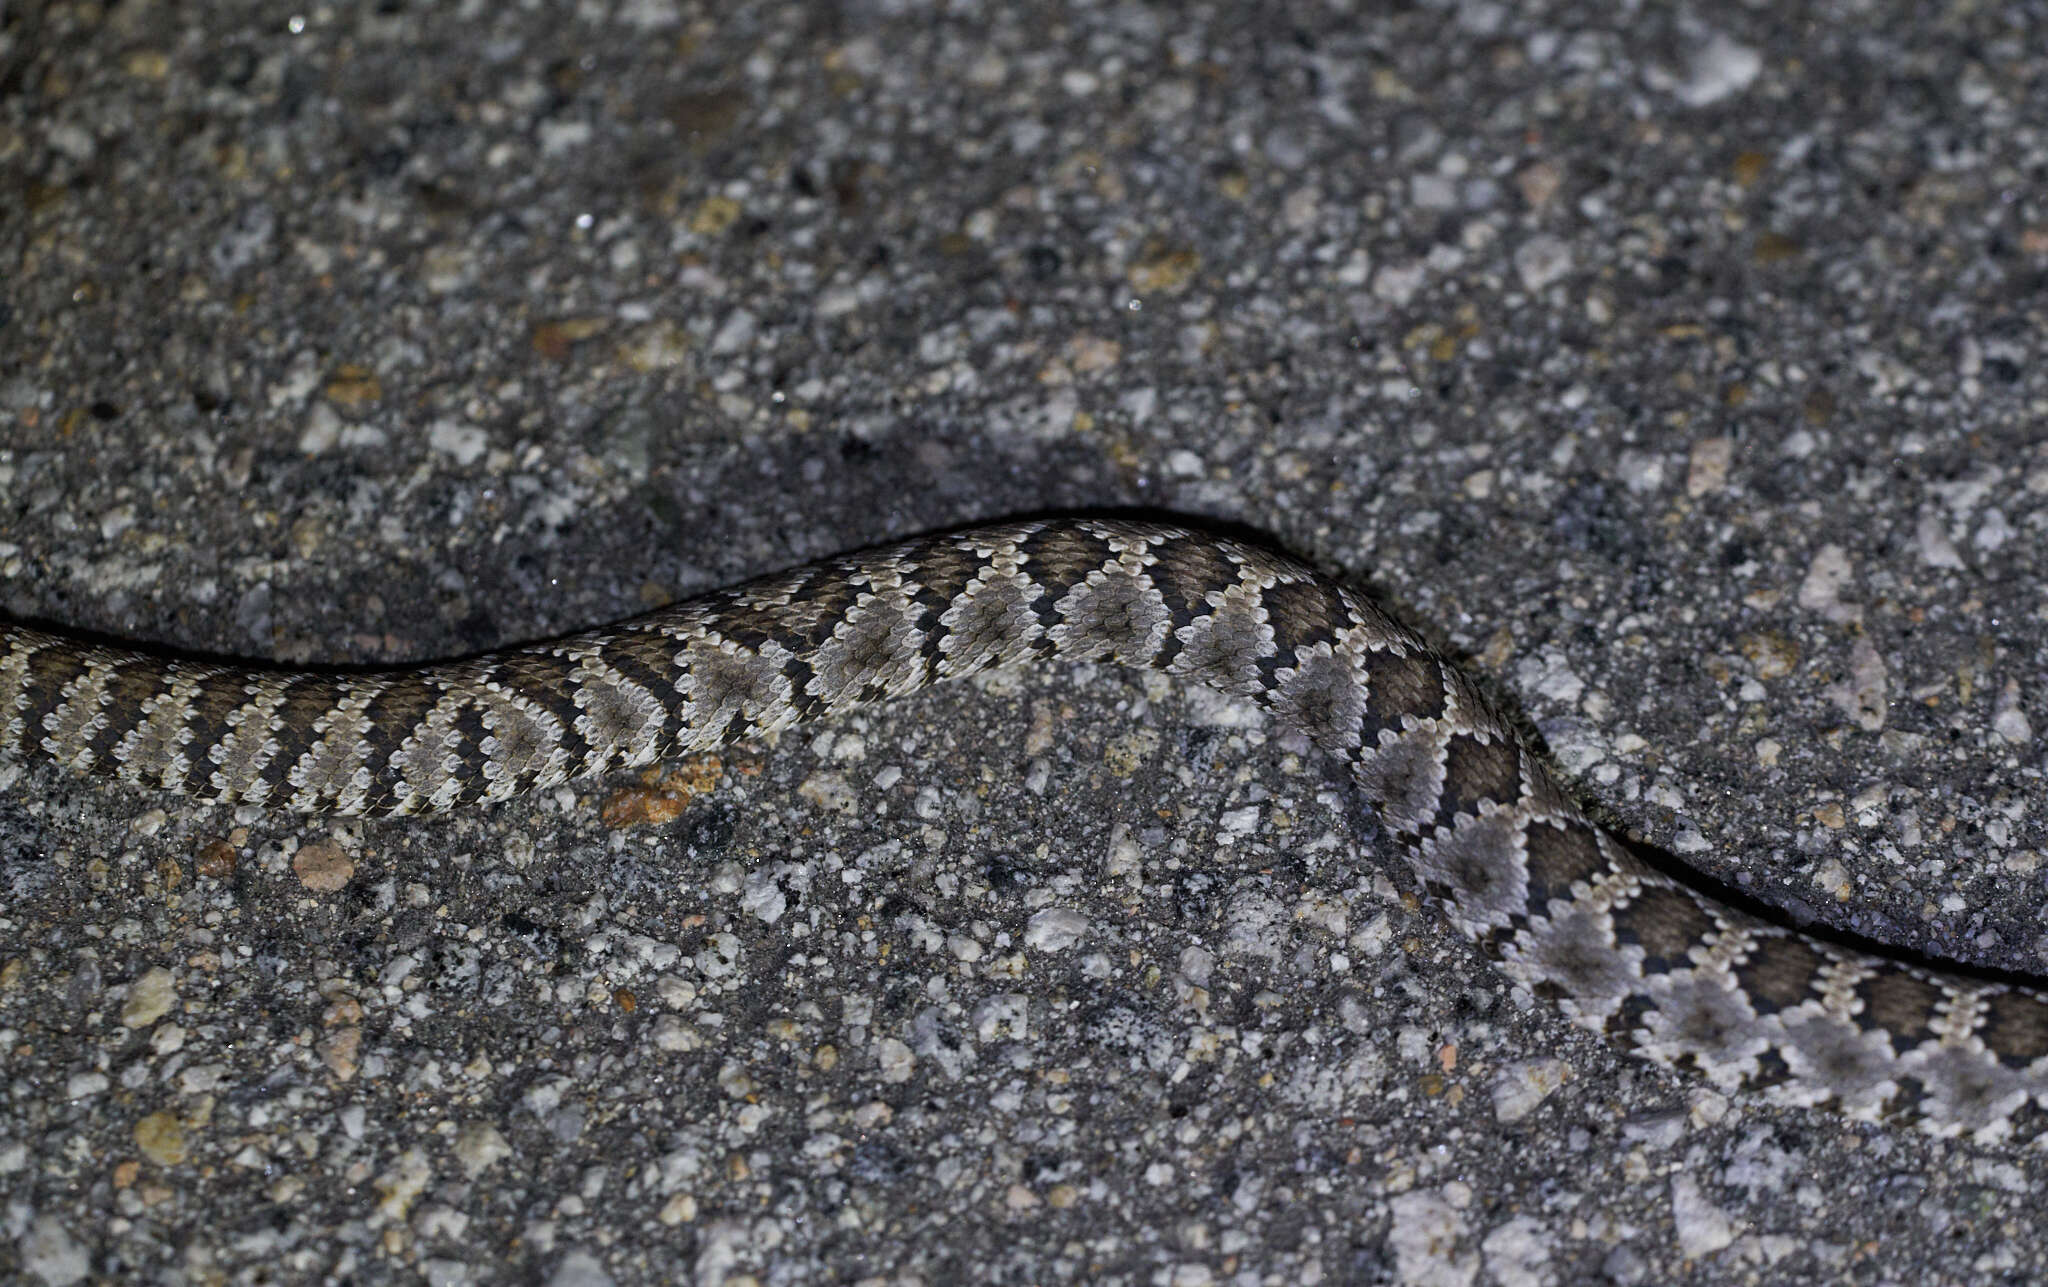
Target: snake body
1563,905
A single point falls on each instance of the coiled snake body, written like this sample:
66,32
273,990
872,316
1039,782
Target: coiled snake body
1562,904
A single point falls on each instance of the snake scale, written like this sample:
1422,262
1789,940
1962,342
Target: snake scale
1564,906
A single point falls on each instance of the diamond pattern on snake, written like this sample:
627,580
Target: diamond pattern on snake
1564,906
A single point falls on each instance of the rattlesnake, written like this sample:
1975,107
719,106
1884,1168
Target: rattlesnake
1566,907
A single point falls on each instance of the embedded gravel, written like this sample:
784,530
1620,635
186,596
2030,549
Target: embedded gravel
1676,365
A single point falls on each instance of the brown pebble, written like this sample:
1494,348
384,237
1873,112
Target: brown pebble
147,64
704,115
1538,183
216,860
1091,353
555,340
354,387
640,806
1163,267
323,867
161,1137
1707,469
714,216
1775,248
339,1052
661,797
1773,655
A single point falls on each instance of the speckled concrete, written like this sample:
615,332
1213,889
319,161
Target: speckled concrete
1680,369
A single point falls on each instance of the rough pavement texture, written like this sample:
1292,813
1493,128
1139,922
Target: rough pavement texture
1680,369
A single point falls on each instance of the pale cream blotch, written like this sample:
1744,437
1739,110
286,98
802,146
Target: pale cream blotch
989,623
155,750
430,760
1403,773
619,720
336,766
1702,1016
250,742
14,679
1833,1059
522,744
720,682
1223,648
1575,959
1474,866
1967,1091
1115,614
79,716
1468,708
1323,695
872,653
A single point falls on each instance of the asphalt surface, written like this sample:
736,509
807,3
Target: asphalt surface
1678,367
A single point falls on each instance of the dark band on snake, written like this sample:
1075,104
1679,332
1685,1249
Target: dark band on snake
1560,902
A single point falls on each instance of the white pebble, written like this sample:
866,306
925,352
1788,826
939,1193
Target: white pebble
1542,261
1432,192
1520,1087
1861,693
557,137
827,791
764,899
895,1059
1237,822
1702,1227
1551,675
1718,69
1821,591
580,1269
1936,549
479,1146
719,955
149,998
462,442
2008,720
322,430
49,1252
1397,284
1995,531
735,334
1640,471
1056,929
1425,1239
1518,1253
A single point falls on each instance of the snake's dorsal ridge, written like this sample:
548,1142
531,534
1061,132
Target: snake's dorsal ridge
1559,901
